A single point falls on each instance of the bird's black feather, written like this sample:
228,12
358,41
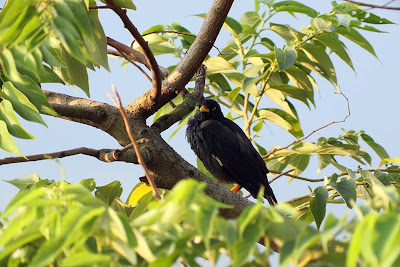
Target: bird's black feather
226,151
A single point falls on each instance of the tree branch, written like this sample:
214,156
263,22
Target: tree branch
185,70
100,154
374,6
155,71
97,114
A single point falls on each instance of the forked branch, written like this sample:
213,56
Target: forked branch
155,71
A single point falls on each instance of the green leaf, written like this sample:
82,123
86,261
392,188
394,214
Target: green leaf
89,184
292,91
232,25
301,79
320,24
332,41
318,204
20,103
218,80
205,220
299,162
346,189
86,259
12,25
76,72
251,19
282,119
379,150
250,82
217,65
354,36
285,58
100,40
25,181
318,55
295,7
8,116
158,49
109,192
35,94
123,3
286,32
71,39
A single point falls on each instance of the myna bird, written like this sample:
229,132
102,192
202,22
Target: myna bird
226,152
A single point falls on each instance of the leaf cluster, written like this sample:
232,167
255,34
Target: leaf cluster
56,223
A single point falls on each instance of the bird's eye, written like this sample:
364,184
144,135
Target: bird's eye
214,108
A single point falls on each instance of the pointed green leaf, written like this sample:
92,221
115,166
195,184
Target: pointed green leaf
282,119
354,36
318,55
379,150
20,103
109,192
218,65
76,72
295,7
318,204
347,190
299,162
232,25
250,82
35,94
285,58
292,91
8,116
332,41
25,181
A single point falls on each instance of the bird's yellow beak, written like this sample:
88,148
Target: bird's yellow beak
203,108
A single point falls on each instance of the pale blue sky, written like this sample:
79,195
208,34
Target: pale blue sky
373,93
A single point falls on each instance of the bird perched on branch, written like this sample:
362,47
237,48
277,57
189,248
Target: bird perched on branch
226,151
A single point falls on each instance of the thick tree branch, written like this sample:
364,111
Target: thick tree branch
185,70
155,71
188,104
97,114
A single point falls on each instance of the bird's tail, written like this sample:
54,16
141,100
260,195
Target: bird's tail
269,195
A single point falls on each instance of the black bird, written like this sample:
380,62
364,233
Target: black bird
226,151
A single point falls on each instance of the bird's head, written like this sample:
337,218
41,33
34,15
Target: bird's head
210,109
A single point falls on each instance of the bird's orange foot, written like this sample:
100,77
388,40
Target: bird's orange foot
236,188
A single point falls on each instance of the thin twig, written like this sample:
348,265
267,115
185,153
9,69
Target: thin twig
155,70
298,177
99,7
118,104
313,132
134,64
374,6
281,174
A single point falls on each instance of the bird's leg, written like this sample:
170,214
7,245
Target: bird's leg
236,188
